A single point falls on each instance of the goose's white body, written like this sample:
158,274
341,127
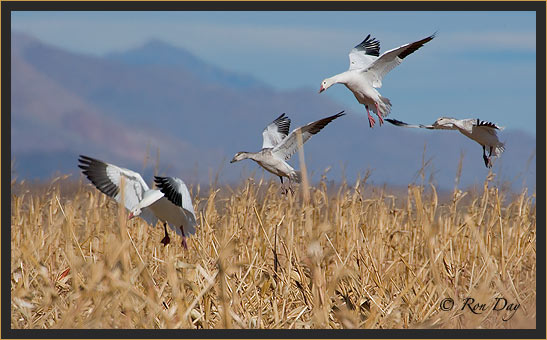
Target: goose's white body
176,206
276,165
365,94
482,132
164,210
278,146
367,70
139,199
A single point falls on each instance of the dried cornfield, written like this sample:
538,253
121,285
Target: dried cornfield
321,258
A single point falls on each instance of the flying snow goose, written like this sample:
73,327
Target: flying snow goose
171,204
278,146
482,132
366,71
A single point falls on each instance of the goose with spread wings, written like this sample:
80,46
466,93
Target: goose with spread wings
366,70
483,132
171,204
278,146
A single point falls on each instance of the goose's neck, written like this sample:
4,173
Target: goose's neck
341,78
250,155
448,124
453,124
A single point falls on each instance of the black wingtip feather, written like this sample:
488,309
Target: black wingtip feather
166,187
487,124
87,159
371,46
319,125
283,124
280,117
396,122
415,46
94,169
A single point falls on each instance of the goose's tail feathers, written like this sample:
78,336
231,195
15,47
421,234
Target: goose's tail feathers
296,176
384,106
499,149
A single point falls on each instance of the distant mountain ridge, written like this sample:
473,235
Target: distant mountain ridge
124,107
158,53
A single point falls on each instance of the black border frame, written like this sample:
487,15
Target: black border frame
539,7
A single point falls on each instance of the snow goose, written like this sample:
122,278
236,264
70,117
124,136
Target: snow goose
366,71
171,204
278,146
482,132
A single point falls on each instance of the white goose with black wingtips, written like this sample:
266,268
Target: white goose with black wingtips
278,146
177,193
483,132
367,69
171,204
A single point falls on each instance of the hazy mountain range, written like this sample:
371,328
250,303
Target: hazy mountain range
125,106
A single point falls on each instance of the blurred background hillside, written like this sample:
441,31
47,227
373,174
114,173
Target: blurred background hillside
201,87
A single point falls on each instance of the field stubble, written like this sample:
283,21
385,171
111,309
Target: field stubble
319,259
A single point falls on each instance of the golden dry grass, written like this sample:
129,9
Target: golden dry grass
318,259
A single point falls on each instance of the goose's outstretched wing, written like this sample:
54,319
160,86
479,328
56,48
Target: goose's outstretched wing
403,124
177,193
486,127
376,71
289,145
108,179
362,55
276,131
487,124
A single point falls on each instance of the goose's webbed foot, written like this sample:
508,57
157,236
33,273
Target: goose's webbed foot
165,240
378,114
183,238
371,120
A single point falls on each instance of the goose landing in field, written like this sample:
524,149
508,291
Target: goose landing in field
366,71
171,204
482,132
278,146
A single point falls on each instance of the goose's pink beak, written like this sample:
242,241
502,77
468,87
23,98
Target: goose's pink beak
130,216
321,89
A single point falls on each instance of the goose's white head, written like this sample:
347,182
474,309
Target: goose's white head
239,157
136,211
325,84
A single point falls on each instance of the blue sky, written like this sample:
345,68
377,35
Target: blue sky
481,64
